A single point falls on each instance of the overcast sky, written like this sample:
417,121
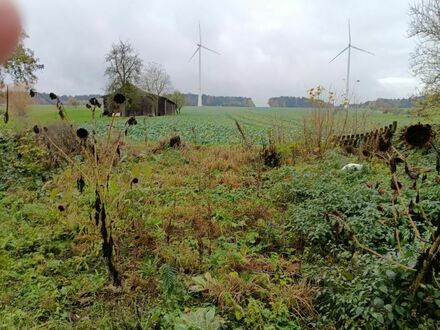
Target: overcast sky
268,48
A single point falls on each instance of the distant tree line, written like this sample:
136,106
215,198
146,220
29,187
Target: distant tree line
220,101
44,98
391,103
289,102
380,103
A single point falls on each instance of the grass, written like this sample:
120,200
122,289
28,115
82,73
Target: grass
200,211
211,125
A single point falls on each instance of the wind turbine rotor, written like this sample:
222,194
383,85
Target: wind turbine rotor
349,47
349,33
200,34
210,50
334,58
197,50
362,50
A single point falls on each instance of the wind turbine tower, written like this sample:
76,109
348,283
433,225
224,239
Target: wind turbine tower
199,48
349,48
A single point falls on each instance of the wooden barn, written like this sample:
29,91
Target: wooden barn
139,103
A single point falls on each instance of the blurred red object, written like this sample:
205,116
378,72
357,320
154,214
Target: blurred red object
10,29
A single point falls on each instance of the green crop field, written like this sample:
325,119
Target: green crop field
211,125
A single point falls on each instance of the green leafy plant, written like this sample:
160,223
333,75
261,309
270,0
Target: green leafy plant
199,319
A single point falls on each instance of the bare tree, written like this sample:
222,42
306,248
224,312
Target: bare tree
425,26
156,81
124,66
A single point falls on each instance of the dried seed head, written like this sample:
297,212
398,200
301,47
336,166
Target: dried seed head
384,144
61,208
36,129
32,92
366,153
80,184
94,101
135,181
119,98
88,106
53,96
417,136
131,121
82,133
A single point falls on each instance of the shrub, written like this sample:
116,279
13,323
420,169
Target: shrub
360,246
23,162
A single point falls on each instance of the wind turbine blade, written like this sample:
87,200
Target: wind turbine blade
200,33
334,58
349,33
362,50
198,49
210,50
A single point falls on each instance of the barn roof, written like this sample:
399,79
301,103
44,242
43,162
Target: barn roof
140,91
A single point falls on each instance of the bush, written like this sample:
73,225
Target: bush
328,209
23,161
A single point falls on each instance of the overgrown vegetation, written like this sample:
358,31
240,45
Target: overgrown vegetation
216,237
220,219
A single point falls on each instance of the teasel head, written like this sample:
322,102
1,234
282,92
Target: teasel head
32,92
36,129
53,96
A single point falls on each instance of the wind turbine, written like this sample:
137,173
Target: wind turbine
349,47
199,50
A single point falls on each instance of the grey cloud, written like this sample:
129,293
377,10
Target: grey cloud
269,48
